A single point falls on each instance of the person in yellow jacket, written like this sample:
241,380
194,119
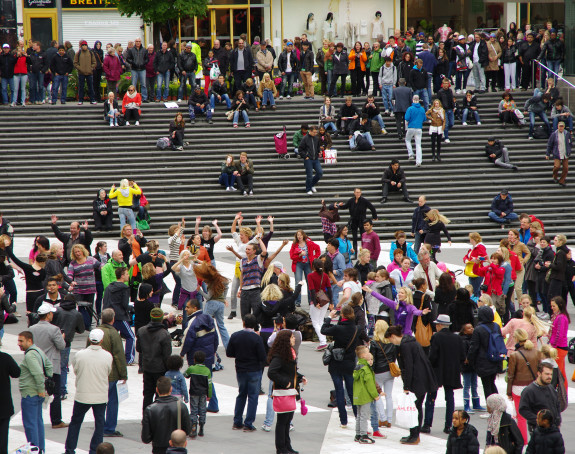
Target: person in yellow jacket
125,195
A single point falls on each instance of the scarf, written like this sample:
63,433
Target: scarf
131,96
497,405
439,111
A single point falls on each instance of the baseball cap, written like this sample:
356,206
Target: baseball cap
96,336
157,314
289,43
279,265
504,191
6,45
189,45
461,37
46,308
491,139
493,35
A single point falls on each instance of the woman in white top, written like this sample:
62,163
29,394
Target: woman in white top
184,268
350,286
404,275
327,115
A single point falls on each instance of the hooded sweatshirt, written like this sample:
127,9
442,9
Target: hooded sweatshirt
415,116
117,297
364,389
69,320
109,271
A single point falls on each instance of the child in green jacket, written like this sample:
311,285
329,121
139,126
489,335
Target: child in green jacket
364,393
200,392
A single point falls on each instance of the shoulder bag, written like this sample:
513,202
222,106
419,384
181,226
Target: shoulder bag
330,215
423,333
49,383
284,400
336,354
321,297
394,369
528,364
230,113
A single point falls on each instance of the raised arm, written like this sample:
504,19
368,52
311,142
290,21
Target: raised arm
389,303
219,235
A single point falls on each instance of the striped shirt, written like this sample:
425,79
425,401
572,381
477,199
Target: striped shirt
174,243
84,276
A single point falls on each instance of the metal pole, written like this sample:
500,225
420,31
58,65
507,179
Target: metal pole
528,13
272,22
394,13
282,22
404,15
60,28
180,32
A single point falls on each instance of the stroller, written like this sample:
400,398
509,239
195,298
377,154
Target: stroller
280,140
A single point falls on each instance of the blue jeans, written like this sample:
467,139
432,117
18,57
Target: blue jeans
449,121
184,84
64,359
543,117
330,126
248,389
476,282
165,79
367,135
126,332
338,383
215,309
19,83
466,112
111,420
379,121
311,180
5,83
508,218
90,81
270,407
386,94
80,410
36,86
214,100
301,272
32,420
59,81
227,179
469,383
567,120
289,78
244,114
423,96
554,66
140,76
197,110
126,216
430,406
268,97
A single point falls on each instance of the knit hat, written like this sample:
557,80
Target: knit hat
157,314
83,43
189,45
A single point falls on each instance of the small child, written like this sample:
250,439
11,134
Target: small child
546,438
469,374
474,297
208,64
249,89
462,436
364,393
179,387
200,392
470,106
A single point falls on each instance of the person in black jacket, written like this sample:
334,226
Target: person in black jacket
347,113
445,355
198,104
416,373
8,369
309,152
241,64
97,76
219,93
36,69
306,70
177,126
546,438
418,82
358,207
360,134
163,65
460,310
161,417
558,267
497,153
418,224
445,95
401,98
479,55
528,51
61,66
188,65
8,61
138,58
288,68
102,211
76,236
502,429
346,335
462,435
553,52
394,180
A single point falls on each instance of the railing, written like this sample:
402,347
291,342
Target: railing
570,87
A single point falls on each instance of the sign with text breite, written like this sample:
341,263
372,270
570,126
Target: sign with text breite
87,4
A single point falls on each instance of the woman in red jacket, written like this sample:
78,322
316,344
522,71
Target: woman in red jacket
493,273
477,251
131,106
302,253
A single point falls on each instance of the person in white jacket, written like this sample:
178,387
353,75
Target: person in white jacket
428,271
92,367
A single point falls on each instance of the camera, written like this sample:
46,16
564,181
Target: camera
483,288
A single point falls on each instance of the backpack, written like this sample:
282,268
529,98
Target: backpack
362,143
540,132
496,349
163,143
571,351
375,128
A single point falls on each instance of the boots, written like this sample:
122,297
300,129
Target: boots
232,315
201,431
194,432
477,405
413,438
467,406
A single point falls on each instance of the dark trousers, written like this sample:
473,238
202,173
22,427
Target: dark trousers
357,82
97,79
80,410
323,81
178,139
400,124
150,84
356,225
339,381
419,405
430,406
246,180
150,379
249,384
88,80
132,114
250,302
388,187
491,77
526,74
569,289
375,79
333,86
56,405
4,426
489,386
239,78
283,442
436,142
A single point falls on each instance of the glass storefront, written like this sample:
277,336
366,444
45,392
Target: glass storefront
8,31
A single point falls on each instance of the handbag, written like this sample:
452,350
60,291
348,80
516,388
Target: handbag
321,298
49,383
336,354
394,369
230,113
284,400
469,270
423,333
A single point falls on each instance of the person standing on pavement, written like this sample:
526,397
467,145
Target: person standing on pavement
358,206
252,270
34,369
247,347
161,418
92,367
370,241
112,343
445,355
559,147
418,223
8,369
50,340
155,346
309,151
414,117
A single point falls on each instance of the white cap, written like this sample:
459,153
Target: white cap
278,264
6,45
96,336
46,308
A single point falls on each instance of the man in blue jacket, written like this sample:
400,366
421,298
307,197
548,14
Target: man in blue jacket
502,209
414,116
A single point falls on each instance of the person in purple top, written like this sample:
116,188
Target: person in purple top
403,307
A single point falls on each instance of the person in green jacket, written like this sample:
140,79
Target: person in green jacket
200,391
410,42
109,269
297,138
364,393
375,63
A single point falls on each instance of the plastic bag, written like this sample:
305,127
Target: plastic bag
406,411
123,393
28,448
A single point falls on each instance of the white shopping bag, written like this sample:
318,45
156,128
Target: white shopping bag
123,393
28,448
406,411
330,156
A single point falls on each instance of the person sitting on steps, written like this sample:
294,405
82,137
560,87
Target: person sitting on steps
394,180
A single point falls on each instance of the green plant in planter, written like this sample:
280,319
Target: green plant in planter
72,91
124,83
173,91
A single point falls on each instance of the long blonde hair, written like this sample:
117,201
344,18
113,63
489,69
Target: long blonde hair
379,331
408,295
522,337
267,275
284,282
272,293
529,315
435,217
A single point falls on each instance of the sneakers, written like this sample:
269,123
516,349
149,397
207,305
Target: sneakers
313,189
288,97
266,428
383,131
464,124
248,125
281,97
127,123
245,193
179,100
232,189
378,434
478,123
234,427
484,416
80,103
447,141
309,192
529,138
137,123
111,125
249,429
251,193
210,121
343,426
192,122
228,189
321,348
365,440
411,158
93,102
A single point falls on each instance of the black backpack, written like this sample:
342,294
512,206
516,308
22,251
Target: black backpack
540,132
362,144
571,351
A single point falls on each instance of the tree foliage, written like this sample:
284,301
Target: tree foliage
161,10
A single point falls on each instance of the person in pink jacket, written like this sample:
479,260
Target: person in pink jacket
558,332
112,70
